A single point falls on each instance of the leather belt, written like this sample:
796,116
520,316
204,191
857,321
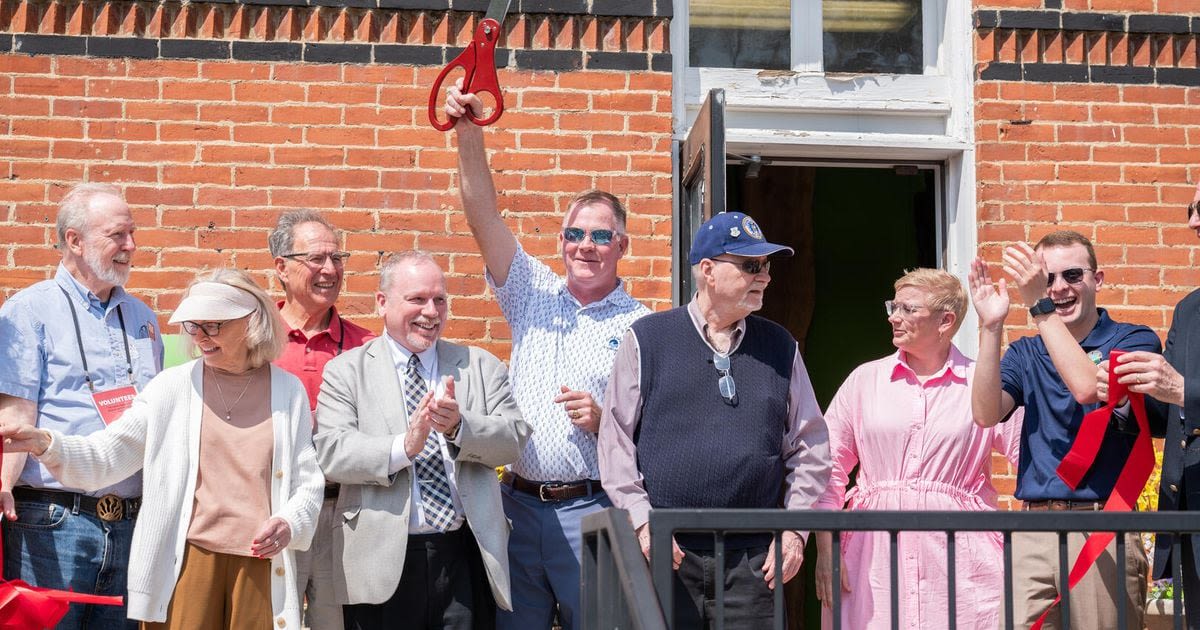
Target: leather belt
109,507
1057,505
552,490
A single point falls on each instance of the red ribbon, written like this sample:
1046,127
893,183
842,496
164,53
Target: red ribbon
23,606
1129,484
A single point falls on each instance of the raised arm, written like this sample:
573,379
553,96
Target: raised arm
989,401
1024,265
496,241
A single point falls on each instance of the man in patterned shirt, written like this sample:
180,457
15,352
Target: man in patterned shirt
565,334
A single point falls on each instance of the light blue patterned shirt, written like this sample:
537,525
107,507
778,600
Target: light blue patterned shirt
42,364
557,341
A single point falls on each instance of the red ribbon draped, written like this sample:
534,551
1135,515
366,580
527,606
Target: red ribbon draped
23,606
1129,484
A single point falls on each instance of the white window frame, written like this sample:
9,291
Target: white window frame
804,113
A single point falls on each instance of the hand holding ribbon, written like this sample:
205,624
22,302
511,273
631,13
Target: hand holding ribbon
1082,456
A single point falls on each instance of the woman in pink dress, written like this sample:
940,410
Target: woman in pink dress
905,421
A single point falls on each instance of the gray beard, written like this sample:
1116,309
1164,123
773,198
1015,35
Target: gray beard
104,269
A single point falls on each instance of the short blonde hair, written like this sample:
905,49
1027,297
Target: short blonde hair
264,331
946,290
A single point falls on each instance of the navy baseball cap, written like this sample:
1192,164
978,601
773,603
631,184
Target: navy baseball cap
732,233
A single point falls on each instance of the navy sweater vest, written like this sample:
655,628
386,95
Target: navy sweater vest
695,449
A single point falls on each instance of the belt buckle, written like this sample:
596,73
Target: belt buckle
110,507
542,492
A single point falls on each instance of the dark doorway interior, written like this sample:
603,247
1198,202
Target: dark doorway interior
855,231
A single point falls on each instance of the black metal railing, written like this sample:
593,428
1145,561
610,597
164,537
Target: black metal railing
609,533
617,592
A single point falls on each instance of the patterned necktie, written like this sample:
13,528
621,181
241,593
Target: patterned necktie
430,469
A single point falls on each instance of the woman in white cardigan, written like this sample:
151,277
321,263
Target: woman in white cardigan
232,487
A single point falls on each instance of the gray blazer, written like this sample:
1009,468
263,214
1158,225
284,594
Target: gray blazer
359,412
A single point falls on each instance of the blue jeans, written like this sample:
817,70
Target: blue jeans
543,557
54,547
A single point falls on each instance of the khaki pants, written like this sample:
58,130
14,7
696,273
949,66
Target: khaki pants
1036,575
216,591
314,575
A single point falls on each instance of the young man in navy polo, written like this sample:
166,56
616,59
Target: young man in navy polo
1053,376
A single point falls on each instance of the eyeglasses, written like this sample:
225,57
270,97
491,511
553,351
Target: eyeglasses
212,329
725,385
1073,275
1193,208
318,260
599,237
751,266
892,307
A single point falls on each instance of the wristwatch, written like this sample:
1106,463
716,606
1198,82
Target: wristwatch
1043,306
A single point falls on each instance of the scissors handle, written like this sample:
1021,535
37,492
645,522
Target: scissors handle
478,60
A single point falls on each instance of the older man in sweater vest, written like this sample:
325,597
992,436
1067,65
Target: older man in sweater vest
709,406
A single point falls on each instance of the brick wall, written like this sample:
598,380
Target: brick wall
214,118
1086,119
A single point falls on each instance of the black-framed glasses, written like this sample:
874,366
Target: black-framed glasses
599,237
892,307
1073,275
725,384
318,260
212,329
752,266
1193,208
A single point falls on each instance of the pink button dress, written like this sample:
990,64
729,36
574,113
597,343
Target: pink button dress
917,448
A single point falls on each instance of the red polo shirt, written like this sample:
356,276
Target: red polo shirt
306,356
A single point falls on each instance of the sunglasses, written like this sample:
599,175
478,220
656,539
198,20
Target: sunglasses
725,385
318,260
599,237
1073,275
1193,208
212,329
751,266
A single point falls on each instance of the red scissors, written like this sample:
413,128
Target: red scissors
479,62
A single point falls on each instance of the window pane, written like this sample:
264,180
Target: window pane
740,34
881,36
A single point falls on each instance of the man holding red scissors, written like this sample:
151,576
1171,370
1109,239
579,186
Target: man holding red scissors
1052,375
565,334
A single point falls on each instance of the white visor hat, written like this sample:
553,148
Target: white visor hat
213,301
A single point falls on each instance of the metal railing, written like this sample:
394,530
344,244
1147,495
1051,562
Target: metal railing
616,588
609,533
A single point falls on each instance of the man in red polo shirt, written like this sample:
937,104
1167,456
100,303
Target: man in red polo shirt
310,266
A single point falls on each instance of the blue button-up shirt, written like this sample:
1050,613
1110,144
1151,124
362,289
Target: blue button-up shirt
42,361
1053,416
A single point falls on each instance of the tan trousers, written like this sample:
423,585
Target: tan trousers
315,573
1036,574
216,591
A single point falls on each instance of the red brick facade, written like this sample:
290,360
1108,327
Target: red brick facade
210,151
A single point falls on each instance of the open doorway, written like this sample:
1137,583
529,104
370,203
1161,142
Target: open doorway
856,228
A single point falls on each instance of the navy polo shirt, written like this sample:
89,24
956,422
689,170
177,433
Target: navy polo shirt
1052,416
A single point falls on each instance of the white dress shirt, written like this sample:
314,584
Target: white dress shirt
399,459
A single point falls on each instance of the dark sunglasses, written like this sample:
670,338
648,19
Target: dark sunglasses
1193,208
212,329
751,266
1072,276
599,237
725,384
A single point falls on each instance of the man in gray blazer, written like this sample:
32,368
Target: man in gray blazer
413,428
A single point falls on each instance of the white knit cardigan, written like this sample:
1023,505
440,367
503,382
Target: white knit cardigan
160,434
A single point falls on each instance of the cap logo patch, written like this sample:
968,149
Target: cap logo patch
751,228
735,232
